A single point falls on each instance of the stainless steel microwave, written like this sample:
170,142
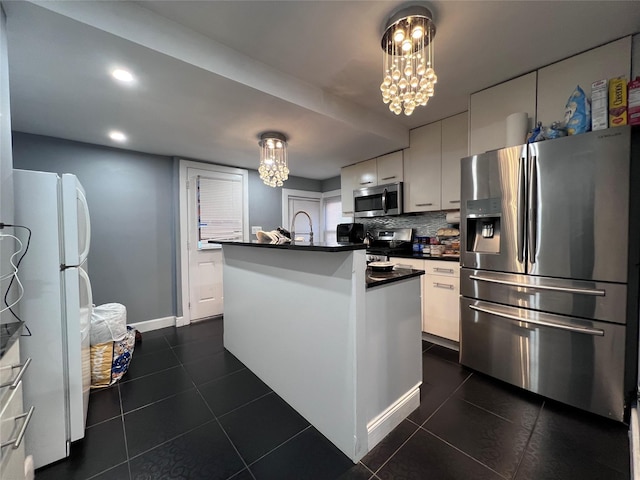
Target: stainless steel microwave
378,201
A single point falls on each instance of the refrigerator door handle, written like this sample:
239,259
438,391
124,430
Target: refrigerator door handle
543,323
574,290
522,201
533,209
87,240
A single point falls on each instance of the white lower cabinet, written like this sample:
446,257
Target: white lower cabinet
440,296
13,418
440,302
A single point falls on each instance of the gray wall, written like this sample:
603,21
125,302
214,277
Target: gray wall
331,184
130,198
133,201
265,203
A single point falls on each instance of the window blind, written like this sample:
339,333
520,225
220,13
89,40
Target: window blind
332,217
220,208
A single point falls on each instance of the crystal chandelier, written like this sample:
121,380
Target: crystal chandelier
273,159
408,75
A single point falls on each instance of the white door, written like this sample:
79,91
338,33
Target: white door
205,261
301,227
298,200
201,263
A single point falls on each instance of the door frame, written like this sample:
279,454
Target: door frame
182,267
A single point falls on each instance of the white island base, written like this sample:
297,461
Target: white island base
346,357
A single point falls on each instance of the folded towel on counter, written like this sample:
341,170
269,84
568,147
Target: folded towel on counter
273,236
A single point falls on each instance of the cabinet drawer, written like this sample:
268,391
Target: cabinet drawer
412,262
441,311
437,267
13,421
9,370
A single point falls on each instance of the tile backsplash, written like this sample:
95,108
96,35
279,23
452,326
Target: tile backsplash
424,224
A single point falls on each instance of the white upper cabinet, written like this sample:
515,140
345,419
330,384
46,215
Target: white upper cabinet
390,168
557,81
489,109
543,94
366,174
455,145
432,165
347,186
353,177
422,167
377,171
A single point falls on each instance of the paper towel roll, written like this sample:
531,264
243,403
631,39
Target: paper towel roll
517,127
453,217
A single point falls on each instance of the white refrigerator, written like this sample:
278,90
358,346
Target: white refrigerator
56,308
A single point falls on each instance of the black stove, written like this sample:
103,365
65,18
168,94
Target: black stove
389,242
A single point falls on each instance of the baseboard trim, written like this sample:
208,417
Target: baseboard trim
392,416
443,342
154,324
634,433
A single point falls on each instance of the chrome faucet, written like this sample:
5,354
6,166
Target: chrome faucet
293,222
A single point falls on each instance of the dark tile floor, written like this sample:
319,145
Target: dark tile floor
188,409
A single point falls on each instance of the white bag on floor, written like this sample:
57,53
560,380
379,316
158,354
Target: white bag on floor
108,323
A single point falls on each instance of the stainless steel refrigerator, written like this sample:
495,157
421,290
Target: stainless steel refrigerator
549,257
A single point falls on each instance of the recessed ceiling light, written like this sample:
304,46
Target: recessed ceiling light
122,75
117,136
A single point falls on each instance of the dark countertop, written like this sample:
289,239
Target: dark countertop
9,333
420,256
375,279
314,247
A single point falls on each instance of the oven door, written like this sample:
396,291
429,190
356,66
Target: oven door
378,201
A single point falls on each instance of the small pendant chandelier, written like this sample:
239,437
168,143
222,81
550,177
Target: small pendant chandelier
408,71
273,159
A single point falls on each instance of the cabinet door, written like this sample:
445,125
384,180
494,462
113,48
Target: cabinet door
12,416
390,168
422,167
489,109
440,309
366,174
8,370
347,186
557,81
455,145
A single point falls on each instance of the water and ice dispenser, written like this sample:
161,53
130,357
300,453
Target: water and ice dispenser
483,225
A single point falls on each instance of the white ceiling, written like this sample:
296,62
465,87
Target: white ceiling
213,75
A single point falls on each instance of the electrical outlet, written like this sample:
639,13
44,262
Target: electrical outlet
255,230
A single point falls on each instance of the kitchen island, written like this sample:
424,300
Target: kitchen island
342,347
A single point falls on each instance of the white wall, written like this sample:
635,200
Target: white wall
6,160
